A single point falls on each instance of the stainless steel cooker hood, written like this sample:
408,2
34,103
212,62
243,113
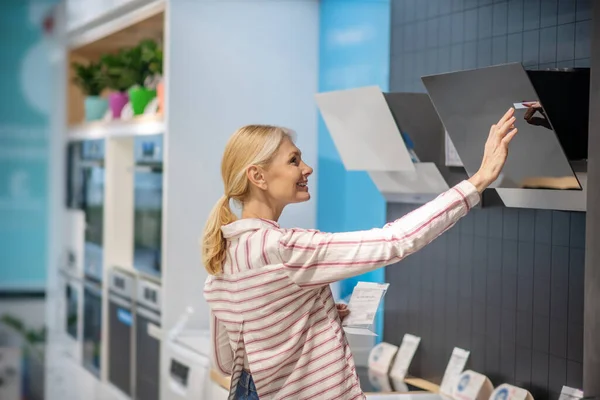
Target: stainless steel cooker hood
546,167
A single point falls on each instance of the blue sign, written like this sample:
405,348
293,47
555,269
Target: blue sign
125,317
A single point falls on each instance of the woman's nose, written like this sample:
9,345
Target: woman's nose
307,170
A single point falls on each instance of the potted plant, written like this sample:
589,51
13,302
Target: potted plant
144,61
156,69
118,76
88,78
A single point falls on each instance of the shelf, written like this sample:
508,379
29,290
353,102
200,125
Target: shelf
139,126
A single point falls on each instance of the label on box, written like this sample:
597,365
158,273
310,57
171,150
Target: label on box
455,367
469,385
407,350
569,393
509,392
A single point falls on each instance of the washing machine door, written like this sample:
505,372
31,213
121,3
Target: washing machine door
186,373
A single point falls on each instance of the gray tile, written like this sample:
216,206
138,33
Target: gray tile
445,7
583,31
480,252
531,14
539,370
525,294
543,226
541,297
456,57
508,325
547,66
565,42
492,355
565,64
452,250
433,8
559,301
524,328
523,366
548,45
408,32
477,356
510,257
515,16
397,11
458,28
470,55
542,262
481,222
531,49
410,9
500,19
444,59
558,337
433,32
526,259
479,286
466,285
466,252
492,324
495,222
431,62
541,333
459,5
467,225
560,265
421,8
479,319
485,2
509,291
494,249
577,239
557,373
511,224
584,10
485,22
494,289
549,12
421,36
507,360
576,285
470,25
582,63
526,225
575,342
576,304
560,228
515,50
566,11
444,30
574,374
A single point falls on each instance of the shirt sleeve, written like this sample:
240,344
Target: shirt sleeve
222,353
313,258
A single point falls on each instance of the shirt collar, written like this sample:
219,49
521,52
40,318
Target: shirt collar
243,225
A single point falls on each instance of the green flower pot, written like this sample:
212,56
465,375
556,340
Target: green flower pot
95,108
139,98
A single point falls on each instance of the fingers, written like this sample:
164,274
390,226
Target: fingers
506,116
506,139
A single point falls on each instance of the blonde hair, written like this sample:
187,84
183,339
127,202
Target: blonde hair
249,145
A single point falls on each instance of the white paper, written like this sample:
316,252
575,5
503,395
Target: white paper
381,356
359,331
408,348
455,367
364,303
569,393
468,386
379,381
452,157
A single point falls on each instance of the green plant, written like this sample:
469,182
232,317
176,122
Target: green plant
117,74
31,337
152,56
89,78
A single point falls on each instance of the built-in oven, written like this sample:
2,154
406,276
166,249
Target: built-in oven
148,200
92,326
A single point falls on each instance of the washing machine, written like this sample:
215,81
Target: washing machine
147,345
121,327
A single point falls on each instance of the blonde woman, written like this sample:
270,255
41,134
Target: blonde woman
275,325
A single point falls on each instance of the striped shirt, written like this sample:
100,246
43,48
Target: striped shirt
272,310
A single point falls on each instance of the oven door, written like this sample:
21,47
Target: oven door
92,327
148,219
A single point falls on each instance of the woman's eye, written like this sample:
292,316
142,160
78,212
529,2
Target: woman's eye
294,160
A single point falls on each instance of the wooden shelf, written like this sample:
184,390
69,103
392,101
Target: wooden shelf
139,126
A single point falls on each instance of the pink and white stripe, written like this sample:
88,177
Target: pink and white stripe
273,312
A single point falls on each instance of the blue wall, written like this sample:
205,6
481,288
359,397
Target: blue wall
25,102
354,52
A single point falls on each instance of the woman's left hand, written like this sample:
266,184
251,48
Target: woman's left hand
343,310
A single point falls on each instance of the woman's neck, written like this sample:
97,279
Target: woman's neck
260,209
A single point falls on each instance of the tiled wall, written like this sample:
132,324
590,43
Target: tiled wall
434,36
506,284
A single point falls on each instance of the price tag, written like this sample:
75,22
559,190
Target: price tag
455,367
407,350
363,305
569,393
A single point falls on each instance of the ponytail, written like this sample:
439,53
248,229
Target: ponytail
213,242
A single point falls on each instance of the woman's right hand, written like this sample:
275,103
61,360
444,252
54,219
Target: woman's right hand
495,151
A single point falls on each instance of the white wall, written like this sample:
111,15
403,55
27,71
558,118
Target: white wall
229,63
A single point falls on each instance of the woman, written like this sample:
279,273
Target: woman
275,325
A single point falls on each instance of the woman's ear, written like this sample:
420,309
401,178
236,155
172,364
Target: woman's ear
256,176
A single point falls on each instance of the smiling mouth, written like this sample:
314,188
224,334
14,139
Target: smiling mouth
302,184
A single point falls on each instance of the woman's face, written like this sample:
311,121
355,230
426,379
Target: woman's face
286,178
